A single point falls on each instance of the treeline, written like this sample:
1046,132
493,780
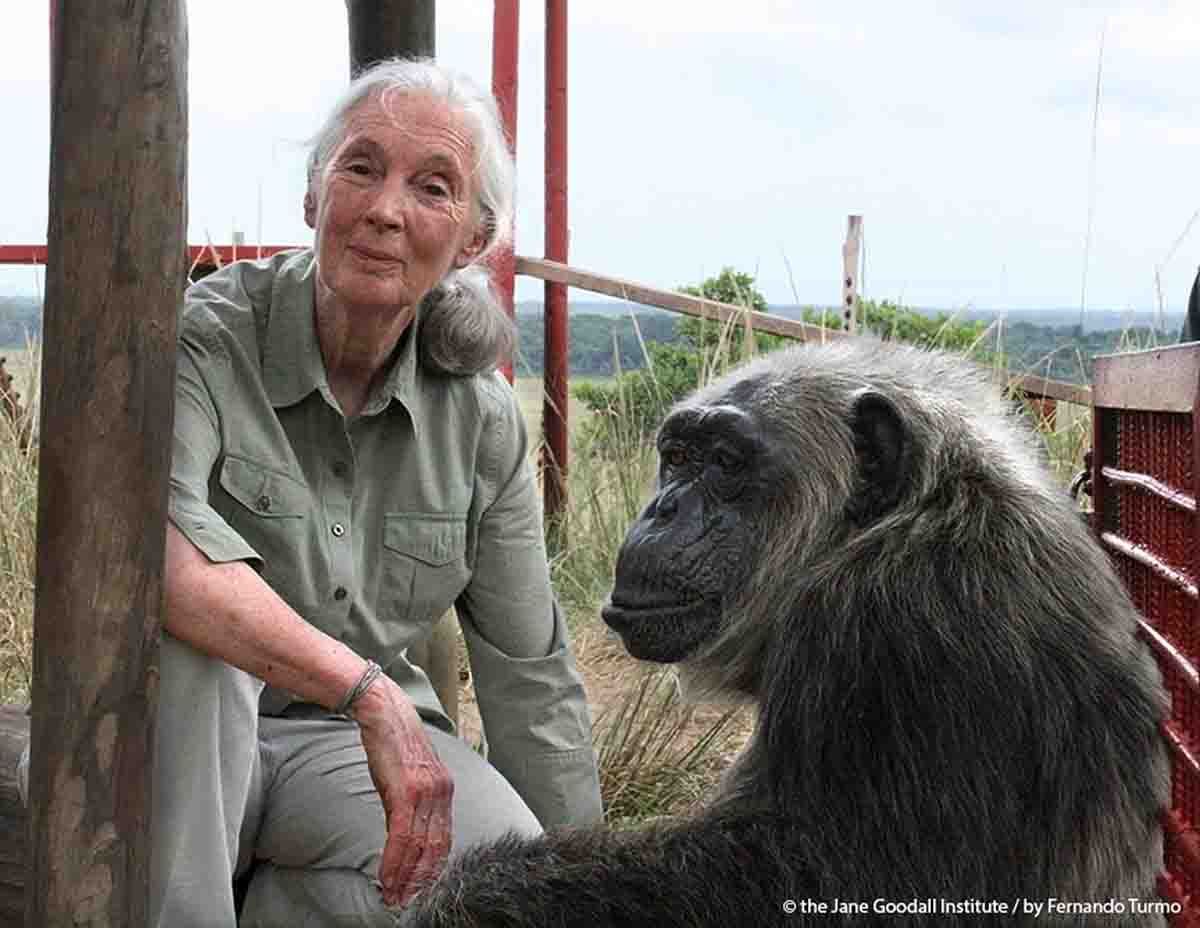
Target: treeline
1065,352
602,345
597,346
1062,352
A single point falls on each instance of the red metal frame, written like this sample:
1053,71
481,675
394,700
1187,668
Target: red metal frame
505,46
198,255
555,410
1145,487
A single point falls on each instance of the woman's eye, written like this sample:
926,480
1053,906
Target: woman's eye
361,168
437,190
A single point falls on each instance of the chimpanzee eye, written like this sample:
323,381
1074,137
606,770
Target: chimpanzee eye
725,459
675,457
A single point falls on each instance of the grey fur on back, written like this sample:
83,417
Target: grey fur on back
953,703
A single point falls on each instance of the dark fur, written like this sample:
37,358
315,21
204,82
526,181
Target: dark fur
953,702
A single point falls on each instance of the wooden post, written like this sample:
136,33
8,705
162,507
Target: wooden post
114,275
389,28
382,29
850,252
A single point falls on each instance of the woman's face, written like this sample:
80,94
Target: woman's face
395,203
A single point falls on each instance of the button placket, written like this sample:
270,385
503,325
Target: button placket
337,494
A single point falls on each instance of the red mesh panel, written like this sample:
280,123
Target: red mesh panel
1159,445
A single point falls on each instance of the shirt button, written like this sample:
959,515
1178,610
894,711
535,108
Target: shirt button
338,530
263,503
339,468
340,593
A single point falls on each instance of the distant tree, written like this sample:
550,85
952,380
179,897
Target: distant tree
890,321
637,401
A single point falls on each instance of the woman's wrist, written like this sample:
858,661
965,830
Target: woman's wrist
371,672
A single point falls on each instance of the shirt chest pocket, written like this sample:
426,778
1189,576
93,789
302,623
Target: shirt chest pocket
267,508
424,565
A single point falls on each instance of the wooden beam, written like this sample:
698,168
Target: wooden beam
1034,386
382,29
114,276
669,299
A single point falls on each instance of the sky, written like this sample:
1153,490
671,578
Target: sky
706,134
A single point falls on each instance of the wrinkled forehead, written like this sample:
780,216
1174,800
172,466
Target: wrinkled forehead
413,123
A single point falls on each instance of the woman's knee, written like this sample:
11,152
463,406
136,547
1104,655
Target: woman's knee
485,805
196,687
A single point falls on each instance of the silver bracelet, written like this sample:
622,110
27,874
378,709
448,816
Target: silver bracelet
369,676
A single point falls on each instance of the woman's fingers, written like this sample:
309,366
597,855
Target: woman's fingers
416,790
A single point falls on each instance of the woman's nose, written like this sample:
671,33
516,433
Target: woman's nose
387,210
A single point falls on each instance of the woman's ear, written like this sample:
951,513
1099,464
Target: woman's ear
485,225
310,209
471,249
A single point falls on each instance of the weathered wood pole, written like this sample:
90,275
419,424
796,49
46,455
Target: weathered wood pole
115,271
382,29
850,253
388,28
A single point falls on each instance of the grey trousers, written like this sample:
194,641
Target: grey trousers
291,795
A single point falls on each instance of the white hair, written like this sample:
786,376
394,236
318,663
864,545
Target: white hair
463,330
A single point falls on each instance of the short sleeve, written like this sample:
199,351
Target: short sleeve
197,447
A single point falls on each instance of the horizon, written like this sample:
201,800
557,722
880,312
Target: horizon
586,299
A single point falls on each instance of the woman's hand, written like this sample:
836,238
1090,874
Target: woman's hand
414,785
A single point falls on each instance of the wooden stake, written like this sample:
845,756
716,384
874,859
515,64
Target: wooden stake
114,279
850,252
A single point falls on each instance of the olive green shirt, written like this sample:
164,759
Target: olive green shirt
371,527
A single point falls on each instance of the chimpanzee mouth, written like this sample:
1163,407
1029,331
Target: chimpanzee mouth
620,616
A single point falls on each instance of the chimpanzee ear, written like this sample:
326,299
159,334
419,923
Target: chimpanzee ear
882,448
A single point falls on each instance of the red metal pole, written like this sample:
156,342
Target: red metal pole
555,416
505,44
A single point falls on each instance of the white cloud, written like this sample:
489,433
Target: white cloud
705,134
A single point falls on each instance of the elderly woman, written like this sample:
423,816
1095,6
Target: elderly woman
347,465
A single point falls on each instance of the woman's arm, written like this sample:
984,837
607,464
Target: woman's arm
227,611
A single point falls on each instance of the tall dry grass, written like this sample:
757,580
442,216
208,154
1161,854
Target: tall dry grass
18,521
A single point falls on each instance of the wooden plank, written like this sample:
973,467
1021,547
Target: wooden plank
1033,385
114,275
1156,380
669,299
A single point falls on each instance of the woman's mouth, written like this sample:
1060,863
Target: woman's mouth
370,254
